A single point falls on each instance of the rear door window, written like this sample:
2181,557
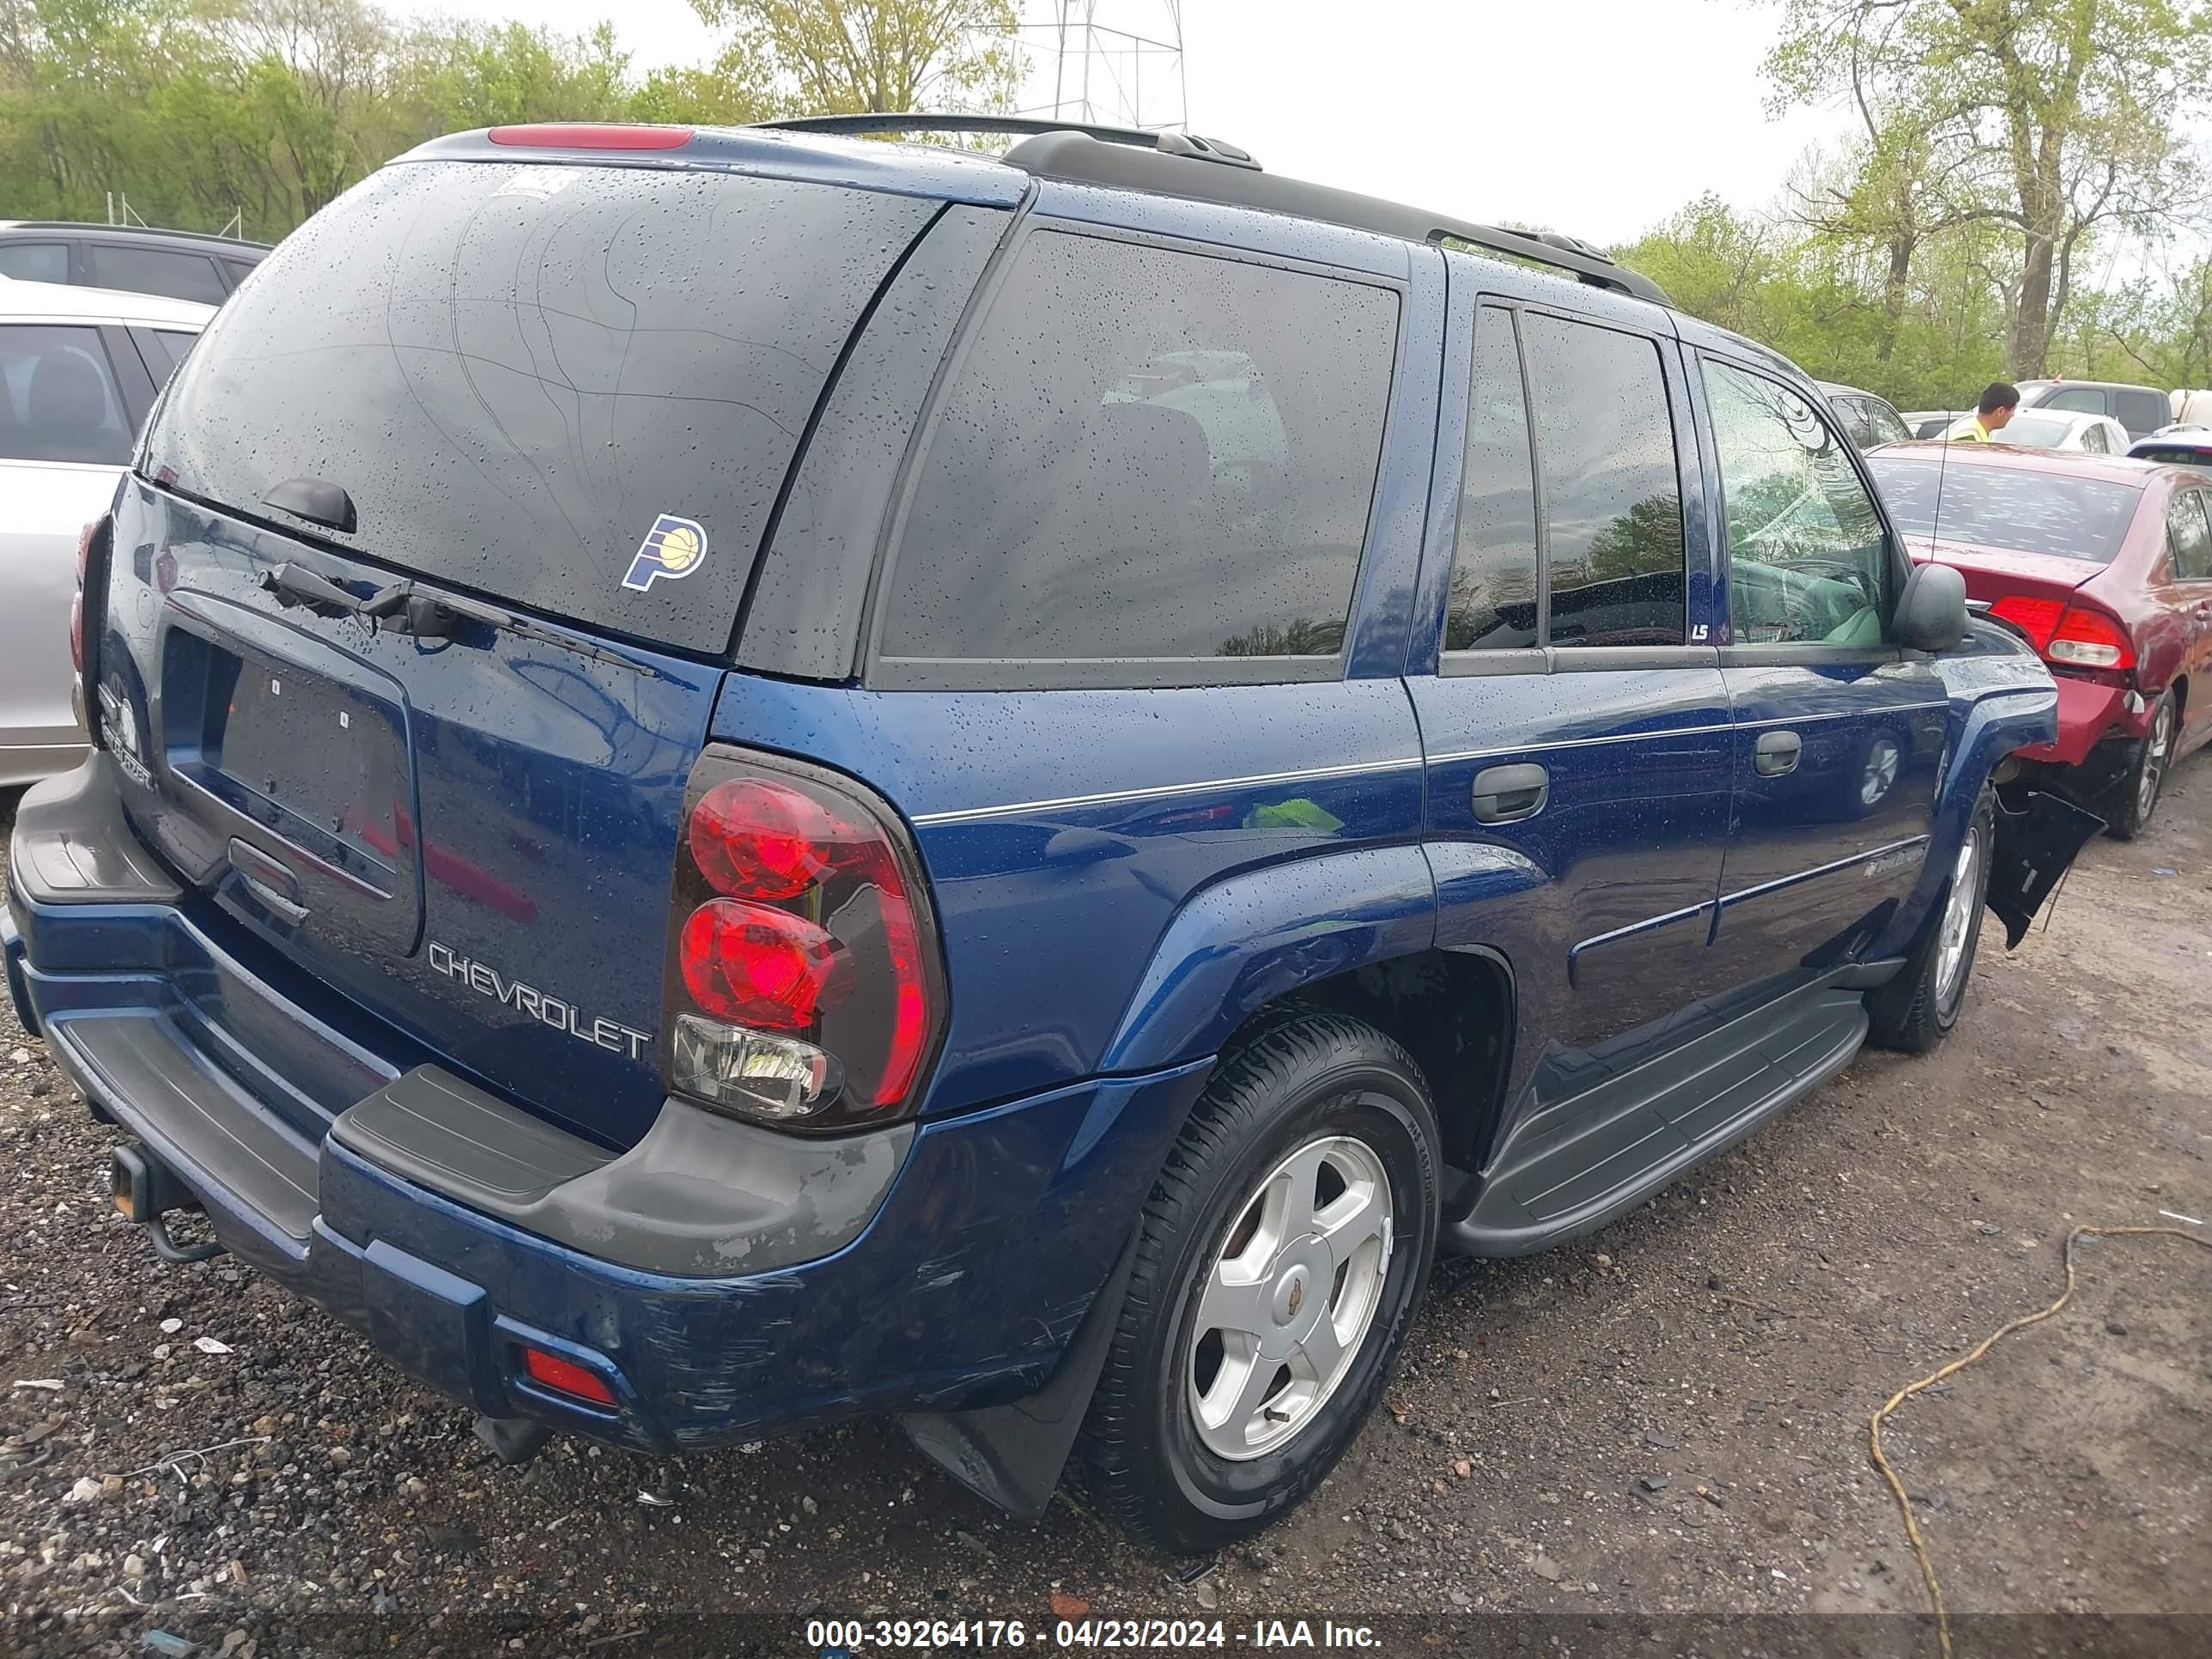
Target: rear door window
1612,501
1493,582
35,262
58,400
178,275
2143,411
576,388
1149,457
2189,535
1883,423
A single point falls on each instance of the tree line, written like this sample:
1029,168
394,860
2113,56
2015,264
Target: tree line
2020,196
254,113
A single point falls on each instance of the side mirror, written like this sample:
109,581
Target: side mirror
1931,615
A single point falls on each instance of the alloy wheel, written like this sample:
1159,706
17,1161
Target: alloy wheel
1286,1305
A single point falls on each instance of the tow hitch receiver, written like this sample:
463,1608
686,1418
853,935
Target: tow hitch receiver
144,1192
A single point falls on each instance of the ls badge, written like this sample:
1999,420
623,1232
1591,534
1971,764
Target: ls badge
673,547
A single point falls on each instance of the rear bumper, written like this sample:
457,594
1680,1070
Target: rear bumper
977,1262
2089,712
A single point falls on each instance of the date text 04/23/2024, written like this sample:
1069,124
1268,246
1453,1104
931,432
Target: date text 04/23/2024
842,1639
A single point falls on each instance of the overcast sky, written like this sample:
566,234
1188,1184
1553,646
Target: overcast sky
1594,116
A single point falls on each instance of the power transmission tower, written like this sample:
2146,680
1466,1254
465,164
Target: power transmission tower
1119,62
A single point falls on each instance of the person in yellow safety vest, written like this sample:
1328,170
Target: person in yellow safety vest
1990,416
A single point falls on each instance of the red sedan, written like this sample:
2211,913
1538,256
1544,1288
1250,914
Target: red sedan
2104,564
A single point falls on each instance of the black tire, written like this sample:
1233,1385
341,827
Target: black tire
1140,1458
2135,796
1916,1010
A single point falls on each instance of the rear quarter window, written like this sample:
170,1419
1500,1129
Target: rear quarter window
535,380
1149,456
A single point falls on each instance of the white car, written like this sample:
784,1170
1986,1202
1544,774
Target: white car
2057,429
79,367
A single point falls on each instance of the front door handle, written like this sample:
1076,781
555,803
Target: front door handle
1775,754
1506,794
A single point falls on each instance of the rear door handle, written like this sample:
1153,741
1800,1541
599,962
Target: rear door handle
1775,754
1506,794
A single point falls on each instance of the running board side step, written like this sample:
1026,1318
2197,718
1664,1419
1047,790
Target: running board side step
1575,1165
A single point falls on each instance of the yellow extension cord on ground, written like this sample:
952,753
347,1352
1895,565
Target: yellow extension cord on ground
1875,1423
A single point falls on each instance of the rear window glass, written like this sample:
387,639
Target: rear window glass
575,388
152,271
57,398
2034,431
2199,458
1149,455
2013,508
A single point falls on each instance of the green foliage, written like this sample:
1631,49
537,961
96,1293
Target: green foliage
2045,123
1819,299
196,110
851,57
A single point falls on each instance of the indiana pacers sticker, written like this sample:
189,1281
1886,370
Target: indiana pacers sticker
673,547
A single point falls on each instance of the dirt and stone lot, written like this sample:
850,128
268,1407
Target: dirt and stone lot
1669,1418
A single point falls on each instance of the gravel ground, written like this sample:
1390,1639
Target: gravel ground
1667,1420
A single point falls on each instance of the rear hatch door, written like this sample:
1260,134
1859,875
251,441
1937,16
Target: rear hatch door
560,400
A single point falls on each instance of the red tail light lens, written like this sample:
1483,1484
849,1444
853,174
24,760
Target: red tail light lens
2072,635
757,838
757,965
804,987
76,631
2090,639
2035,618
84,549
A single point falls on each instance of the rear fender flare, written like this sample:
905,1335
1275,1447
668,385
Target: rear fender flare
1255,936
1986,727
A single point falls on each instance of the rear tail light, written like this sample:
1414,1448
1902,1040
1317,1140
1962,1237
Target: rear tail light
2071,636
803,986
91,581
2090,639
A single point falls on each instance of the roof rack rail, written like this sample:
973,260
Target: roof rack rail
135,230
1134,158
1064,154
1170,144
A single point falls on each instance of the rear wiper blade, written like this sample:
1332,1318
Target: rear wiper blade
404,609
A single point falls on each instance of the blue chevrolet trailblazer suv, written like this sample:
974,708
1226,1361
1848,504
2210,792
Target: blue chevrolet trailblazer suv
746,776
